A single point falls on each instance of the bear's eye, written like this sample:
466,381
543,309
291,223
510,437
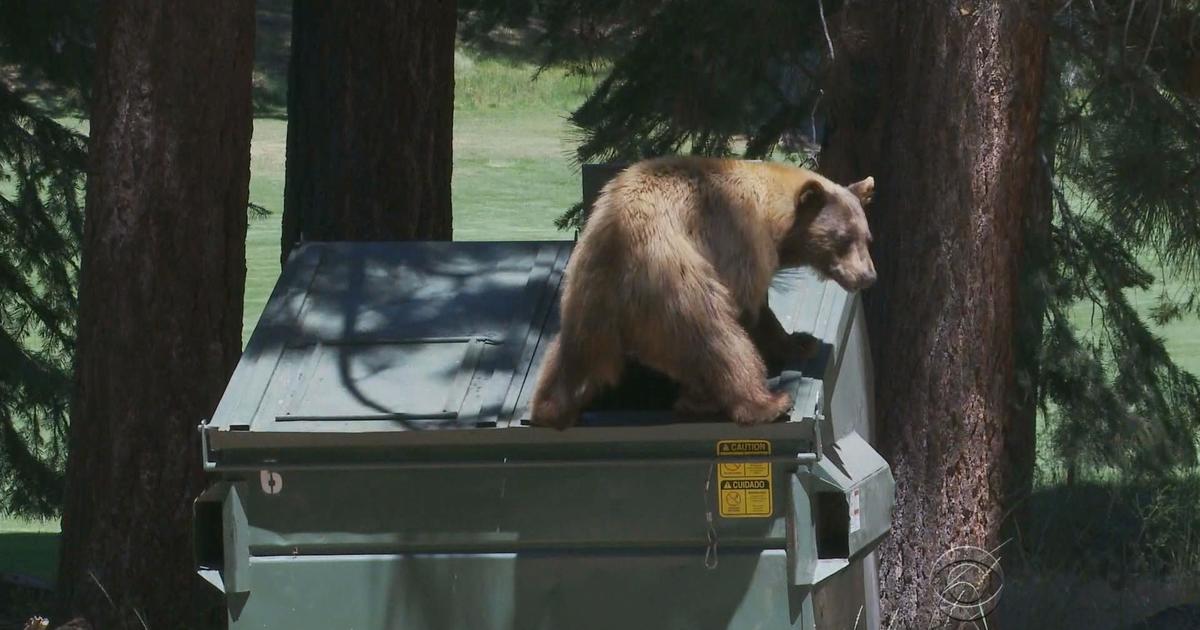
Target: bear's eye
845,241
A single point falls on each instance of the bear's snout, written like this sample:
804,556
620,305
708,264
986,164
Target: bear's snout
866,281
854,274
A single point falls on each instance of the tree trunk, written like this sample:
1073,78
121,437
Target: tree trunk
941,105
370,116
162,277
1032,294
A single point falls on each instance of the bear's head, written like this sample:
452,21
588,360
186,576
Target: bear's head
830,232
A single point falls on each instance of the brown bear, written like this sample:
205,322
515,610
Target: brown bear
672,271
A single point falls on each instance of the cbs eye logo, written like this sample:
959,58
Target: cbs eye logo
967,581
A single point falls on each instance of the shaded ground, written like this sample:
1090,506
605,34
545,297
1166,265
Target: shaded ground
1063,601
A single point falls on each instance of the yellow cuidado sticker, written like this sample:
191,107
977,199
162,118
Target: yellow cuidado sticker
744,487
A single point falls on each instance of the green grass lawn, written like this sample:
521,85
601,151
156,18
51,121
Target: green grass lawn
28,547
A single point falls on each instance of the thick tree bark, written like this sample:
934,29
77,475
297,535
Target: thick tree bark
941,105
370,115
162,278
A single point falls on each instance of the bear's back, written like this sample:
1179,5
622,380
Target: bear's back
664,212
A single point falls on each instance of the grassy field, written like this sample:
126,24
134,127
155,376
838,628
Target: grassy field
28,547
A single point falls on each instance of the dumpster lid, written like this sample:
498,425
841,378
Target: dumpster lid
371,343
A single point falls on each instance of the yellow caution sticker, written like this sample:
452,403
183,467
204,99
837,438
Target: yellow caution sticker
744,488
743,447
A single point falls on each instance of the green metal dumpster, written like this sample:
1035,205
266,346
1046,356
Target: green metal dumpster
372,466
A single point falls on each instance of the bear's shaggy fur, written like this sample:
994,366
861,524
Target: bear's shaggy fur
672,270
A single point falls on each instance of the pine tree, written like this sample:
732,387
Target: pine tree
953,148
1123,145
160,313
370,111
45,48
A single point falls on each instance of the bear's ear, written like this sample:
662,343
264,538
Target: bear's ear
811,196
864,190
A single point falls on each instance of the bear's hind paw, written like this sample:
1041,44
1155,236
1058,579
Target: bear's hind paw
775,407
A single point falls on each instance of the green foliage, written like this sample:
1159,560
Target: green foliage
1127,141
46,48
695,76
1133,128
1113,391
691,75
41,171
556,32
41,176
694,80
272,52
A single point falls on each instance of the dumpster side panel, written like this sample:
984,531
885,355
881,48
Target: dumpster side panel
498,509
528,591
